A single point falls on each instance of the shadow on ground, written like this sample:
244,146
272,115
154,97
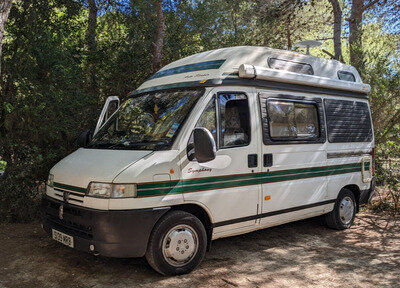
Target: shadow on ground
297,254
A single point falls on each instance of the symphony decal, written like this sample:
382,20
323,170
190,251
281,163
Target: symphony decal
191,170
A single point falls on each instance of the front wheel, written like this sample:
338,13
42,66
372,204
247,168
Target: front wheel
177,244
343,214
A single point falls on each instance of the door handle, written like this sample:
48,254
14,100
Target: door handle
252,160
268,160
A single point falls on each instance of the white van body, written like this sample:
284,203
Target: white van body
274,172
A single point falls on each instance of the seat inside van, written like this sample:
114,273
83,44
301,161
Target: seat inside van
236,123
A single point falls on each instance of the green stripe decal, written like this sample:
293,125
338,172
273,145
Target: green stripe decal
200,184
207,65
229,181
69,187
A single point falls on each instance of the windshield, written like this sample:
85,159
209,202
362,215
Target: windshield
146,122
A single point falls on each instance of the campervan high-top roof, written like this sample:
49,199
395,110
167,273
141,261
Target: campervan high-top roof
252,65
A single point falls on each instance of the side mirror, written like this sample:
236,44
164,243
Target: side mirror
84,138
204,145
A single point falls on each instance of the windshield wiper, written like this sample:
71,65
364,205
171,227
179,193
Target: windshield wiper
135,144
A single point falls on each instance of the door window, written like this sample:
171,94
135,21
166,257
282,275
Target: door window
207,120
234,124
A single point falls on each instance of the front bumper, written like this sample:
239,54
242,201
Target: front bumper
113,233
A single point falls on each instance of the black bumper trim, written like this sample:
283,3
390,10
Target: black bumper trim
366,195
113,233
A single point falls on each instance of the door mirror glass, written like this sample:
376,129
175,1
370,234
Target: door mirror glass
111,105
204,145
84,138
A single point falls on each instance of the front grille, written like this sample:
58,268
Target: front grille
73,220
68,196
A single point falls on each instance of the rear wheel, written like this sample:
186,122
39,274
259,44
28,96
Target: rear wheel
177,244
343,214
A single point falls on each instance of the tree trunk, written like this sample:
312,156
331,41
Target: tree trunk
91,47
337,29
5,7
355,37
288,33
159,39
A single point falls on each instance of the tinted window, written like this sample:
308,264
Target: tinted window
291,66
293,120
346,76
234,120
348,121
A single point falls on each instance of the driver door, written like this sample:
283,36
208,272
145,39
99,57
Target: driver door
227,185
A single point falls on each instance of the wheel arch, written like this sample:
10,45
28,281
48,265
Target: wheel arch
201,213
356,192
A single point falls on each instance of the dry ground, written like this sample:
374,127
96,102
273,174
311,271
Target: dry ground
300,254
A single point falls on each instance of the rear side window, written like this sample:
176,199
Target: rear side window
346,76
292,120
289,119
292,66
348,121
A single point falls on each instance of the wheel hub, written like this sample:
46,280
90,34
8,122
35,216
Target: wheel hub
346,210
180,245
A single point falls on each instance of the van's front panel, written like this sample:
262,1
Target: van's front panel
102,198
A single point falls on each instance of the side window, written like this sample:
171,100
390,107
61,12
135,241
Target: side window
346,76
289,120
348,121
207,120
234,120
291,66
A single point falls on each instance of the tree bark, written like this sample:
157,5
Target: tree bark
5,7
337,29
289,32
91,47
355,37
159,39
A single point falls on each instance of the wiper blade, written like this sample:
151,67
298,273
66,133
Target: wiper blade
126,145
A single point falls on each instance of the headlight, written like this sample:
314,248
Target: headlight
100,190
106,190
50,180
124,190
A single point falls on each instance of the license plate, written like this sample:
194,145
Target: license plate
63,238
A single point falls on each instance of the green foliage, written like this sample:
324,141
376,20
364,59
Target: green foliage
45,100
2,165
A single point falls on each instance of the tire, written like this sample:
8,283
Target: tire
343,214
176,235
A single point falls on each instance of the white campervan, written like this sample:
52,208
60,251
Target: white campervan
217,144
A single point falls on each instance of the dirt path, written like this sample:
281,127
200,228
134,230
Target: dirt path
300,254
